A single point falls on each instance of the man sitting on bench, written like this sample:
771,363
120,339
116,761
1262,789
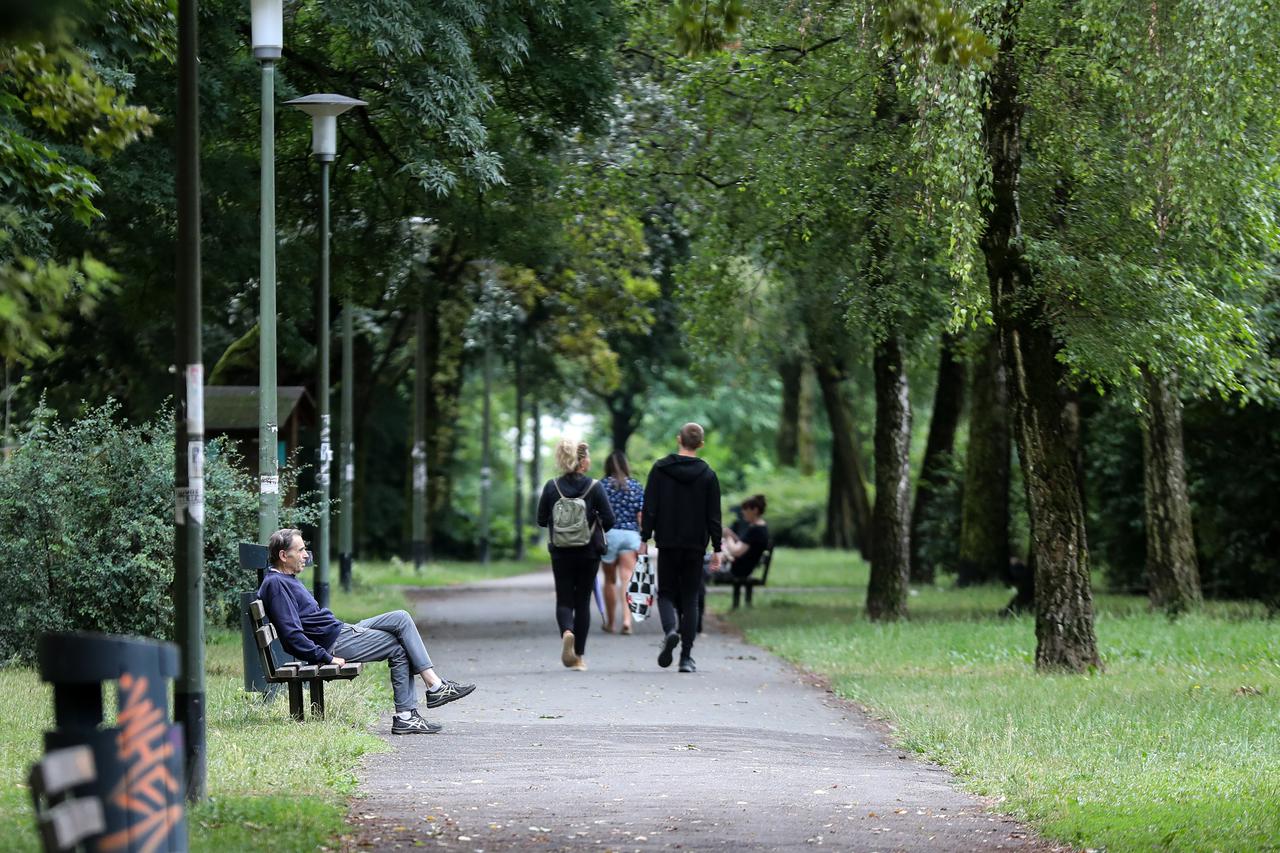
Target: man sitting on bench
313,634
742,550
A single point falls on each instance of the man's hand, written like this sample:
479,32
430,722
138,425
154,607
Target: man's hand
644,548
339,661
715,561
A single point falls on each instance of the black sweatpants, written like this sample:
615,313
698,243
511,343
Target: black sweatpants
679,587
575,574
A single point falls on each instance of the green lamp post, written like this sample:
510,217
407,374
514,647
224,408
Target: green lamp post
324,110
268,42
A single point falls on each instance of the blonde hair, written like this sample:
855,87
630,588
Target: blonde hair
569,454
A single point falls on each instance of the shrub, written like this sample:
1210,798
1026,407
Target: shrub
86,529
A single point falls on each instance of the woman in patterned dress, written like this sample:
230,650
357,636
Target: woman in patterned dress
626,498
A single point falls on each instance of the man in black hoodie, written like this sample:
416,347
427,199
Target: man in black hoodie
682,513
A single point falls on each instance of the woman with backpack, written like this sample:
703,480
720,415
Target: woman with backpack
574,509
626,497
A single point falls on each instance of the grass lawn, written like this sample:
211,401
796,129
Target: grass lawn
1175,746
267,774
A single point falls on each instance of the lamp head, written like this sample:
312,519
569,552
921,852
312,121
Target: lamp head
267,18
324,111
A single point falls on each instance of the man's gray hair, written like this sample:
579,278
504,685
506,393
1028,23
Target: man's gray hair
280,541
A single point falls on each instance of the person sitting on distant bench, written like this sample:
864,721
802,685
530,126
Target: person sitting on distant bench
742,551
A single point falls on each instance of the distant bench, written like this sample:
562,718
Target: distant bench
295,673
751,581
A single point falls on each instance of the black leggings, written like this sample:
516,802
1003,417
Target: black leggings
575,574
679,587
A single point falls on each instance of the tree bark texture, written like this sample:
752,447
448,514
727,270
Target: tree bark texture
948,405
1065,638
1173,574
984,505
848,508
889,585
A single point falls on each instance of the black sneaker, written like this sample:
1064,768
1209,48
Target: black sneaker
669,644
415,725
448,692
686,664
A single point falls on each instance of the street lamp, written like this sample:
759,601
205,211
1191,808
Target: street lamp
324,111
268,42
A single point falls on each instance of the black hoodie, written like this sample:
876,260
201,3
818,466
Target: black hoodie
681,504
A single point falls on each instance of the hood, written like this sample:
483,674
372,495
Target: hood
684,469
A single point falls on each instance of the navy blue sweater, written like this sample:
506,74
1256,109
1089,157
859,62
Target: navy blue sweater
307,630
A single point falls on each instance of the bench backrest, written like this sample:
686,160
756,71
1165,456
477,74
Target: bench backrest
765,559
264,634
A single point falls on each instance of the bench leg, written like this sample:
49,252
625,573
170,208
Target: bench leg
295,700
317,699
737,594
749,589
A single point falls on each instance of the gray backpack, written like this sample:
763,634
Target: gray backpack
569,525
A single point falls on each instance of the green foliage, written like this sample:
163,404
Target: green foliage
703,26
1171,748
63,107
87,510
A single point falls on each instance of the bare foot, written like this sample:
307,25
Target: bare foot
626,627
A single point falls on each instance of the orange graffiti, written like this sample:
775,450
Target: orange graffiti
147,785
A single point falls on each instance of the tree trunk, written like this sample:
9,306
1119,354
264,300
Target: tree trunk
1173,575
848,508
791,371
948,403
1065,638
806,452
889,586
624,418
984,506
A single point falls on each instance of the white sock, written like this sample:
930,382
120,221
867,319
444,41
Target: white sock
404,715
437,687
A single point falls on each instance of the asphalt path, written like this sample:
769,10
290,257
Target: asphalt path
746,754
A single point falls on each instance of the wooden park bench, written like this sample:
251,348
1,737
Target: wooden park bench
65,821
751,581
295,673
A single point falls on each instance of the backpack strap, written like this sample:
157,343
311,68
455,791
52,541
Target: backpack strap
555,481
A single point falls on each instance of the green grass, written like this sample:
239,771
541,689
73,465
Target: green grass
268,776
1175,746
444,572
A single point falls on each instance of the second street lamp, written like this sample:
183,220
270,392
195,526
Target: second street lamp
268,42
324,111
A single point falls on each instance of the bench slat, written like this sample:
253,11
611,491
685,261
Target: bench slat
257,609
264,636
66,824
62,769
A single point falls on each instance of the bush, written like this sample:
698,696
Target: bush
86,530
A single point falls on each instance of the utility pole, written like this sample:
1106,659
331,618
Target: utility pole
419,452
188,528
347,476
486,472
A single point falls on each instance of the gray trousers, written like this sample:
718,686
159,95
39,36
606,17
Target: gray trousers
391,637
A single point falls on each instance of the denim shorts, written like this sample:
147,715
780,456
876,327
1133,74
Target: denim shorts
619,542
